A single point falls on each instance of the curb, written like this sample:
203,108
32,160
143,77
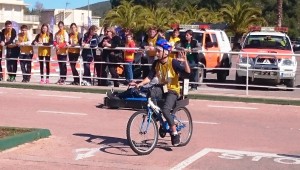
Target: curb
13,141
247,99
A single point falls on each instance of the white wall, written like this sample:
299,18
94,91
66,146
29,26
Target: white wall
11,12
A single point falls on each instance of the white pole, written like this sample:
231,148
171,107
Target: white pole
5,62
88,8
247,79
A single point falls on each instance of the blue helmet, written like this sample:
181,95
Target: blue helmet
164,44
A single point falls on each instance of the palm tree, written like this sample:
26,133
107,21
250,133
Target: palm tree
161,18
210,16
191,14
125,15
279,12
239,16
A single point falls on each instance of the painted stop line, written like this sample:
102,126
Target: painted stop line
239,155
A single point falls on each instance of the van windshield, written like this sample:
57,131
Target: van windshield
267,41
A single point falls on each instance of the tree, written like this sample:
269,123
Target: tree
38,7
160,18
279,12
191,13
239,16
26,10
147,3
125,15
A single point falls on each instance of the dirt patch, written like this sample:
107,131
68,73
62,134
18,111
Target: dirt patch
5,131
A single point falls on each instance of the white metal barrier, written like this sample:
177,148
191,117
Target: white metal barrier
80,61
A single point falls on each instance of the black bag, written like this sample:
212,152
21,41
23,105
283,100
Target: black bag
134,93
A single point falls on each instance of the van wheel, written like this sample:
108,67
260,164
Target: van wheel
290,83
221,75
201,74
240,79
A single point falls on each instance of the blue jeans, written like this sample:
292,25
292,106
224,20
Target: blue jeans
87,59
194,76
128,71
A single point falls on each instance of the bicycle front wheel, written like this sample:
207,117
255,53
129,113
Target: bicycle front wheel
184,124
142,133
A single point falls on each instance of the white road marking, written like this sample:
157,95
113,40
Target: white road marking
208,123
67,113
238,155
48,95
191,159
198,122
89,152
232,107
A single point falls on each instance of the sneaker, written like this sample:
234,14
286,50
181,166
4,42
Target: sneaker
47,81
59,81
175,139
42,81
62,82
84,83
13,79
193,89
74,83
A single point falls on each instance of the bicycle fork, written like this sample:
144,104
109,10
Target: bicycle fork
149,115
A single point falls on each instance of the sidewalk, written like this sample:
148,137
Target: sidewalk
202,93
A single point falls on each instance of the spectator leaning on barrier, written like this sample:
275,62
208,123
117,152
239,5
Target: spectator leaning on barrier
188,44
100,67
89,41
74,53
26,53
1,48
44,39
112,40
174,38
129,57
9,36
61,40
148,44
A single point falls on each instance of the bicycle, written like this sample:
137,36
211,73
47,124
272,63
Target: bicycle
147,126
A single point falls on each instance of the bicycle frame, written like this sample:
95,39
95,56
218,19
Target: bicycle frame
153,109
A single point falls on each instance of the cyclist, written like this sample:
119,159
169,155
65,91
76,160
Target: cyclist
167,70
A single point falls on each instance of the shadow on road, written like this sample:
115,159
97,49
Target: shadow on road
118,146
291,156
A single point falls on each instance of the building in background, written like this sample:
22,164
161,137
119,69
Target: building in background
68,16
13,10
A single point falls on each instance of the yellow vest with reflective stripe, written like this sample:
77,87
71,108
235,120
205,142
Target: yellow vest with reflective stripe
167,75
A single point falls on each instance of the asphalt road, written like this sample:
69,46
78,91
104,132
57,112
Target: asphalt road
227,135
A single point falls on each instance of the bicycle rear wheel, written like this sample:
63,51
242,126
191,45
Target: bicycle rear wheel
142,133
184,124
